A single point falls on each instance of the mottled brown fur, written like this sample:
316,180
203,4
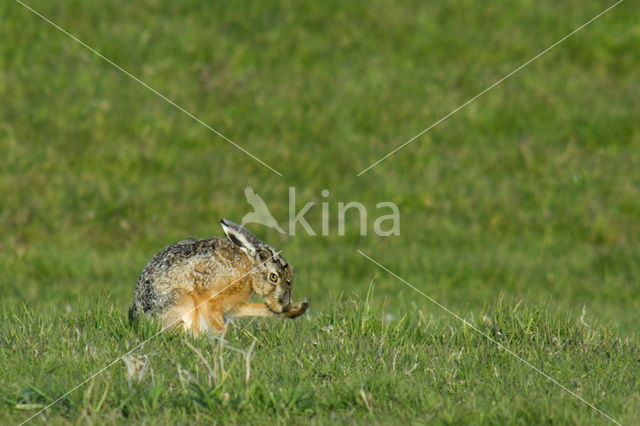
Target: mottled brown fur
200,283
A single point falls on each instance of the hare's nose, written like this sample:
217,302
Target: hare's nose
285,299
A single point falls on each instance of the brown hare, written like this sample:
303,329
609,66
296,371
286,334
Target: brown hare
200,283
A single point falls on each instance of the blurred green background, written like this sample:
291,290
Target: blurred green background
520,212
532,191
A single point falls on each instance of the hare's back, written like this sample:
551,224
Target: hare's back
182,267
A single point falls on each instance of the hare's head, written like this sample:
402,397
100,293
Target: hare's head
272,274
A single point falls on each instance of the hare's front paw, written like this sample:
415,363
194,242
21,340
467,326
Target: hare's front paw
296,309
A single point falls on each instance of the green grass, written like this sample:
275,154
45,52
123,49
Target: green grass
348,363
516,212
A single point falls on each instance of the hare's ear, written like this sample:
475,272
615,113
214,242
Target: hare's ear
241,236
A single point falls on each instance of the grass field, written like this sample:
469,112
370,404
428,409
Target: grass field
520,212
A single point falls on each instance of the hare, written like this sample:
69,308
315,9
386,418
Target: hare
201,283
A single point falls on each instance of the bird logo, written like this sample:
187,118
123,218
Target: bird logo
260,213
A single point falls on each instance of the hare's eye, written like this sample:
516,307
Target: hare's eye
273,277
